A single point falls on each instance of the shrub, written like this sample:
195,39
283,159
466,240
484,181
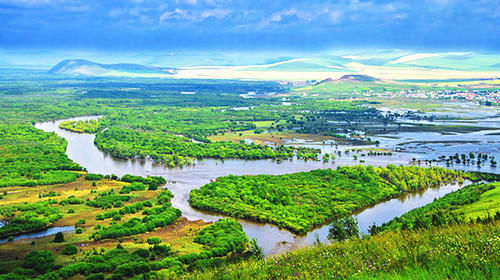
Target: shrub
59,238
69,250
143,253
40,261
161,250
134,268
93,177
98,276
154,240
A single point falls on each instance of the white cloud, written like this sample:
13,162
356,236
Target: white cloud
178,14
278,16
216,13
335,16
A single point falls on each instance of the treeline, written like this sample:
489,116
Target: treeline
178,151
30,157
444,211
137,182
300,201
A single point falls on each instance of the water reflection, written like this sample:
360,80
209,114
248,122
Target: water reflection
42,233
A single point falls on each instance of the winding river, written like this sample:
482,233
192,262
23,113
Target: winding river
181,181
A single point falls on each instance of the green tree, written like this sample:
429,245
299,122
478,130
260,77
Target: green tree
59,238
343,229
69,250
255,250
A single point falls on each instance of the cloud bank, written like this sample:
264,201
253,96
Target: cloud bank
256,24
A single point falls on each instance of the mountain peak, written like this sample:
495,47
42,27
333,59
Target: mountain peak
357,78
83,67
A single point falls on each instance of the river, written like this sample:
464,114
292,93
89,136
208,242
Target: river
181,181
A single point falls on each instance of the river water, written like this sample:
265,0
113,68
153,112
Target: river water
181,181
41,233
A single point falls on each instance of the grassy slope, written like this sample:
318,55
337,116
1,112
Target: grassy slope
488,204
456,252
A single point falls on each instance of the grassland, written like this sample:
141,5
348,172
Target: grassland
455,252
277,137
488,204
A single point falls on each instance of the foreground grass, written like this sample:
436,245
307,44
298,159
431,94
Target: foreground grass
457,252
488,204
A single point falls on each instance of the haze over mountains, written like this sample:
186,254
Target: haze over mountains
89,68
388,64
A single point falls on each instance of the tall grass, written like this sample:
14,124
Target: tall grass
470,251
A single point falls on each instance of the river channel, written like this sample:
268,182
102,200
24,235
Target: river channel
181,181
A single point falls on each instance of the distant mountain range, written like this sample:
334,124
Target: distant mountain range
88,68
388,65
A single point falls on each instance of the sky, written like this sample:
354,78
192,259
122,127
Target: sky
130,25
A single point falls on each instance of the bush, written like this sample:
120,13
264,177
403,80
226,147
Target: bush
133,187
40,261
134,268
98,276
93,177
161,250
69,250
143,253
59,238
79,230
154,240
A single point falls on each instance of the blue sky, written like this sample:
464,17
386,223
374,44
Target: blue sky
249,25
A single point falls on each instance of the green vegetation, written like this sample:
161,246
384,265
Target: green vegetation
303,200
30,157
23,218
174,150
471,202
220,240
455,252
223,237
69,250
87,126
59,237
155,218
344,228
131,230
